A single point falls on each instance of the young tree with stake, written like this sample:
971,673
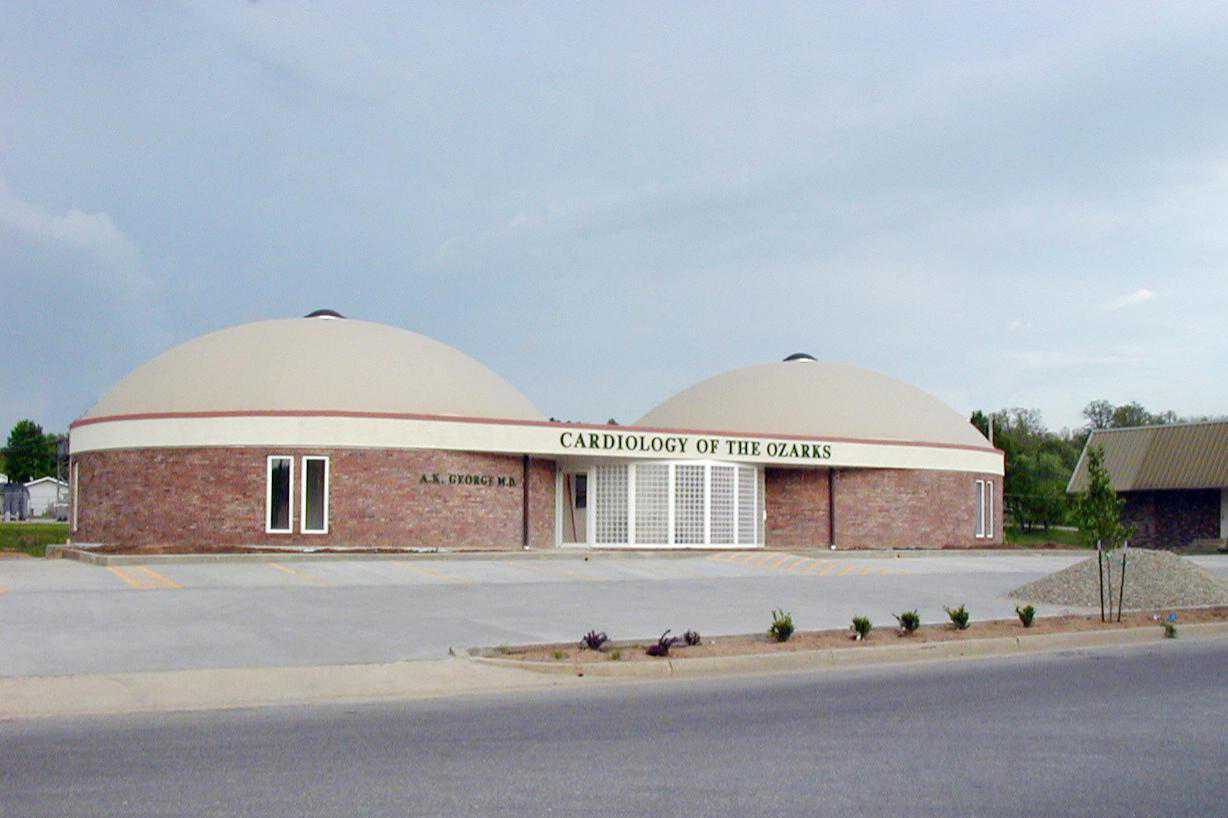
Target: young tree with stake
1097,512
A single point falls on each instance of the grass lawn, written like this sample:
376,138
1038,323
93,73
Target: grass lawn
1037,537
32,538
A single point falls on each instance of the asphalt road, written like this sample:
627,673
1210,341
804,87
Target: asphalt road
1110,732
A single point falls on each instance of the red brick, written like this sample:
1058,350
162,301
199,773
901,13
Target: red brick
216,496
878,508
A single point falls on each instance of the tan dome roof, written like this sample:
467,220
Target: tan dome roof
321,364
813,399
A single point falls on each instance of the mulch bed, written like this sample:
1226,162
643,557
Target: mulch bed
880,637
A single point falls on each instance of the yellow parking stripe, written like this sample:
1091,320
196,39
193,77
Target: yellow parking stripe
828,568
800,566
300,574
848,569
865,572
158,579
431,572
131,581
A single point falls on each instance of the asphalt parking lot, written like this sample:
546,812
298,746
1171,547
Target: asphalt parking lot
59,617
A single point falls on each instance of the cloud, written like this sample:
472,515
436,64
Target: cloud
91,233
326,49
1065,359
1129,300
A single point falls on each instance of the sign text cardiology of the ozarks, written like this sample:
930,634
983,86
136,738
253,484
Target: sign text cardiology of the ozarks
634,442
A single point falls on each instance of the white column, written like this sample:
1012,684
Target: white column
590,509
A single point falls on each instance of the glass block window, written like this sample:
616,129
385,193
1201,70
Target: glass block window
720,505
652,503
748,507
611,504
688,505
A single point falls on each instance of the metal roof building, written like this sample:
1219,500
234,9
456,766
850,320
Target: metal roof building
1174,479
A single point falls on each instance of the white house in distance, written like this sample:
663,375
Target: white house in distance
43,495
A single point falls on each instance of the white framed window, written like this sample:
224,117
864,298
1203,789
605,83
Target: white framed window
279,495
980,508
989,508
313,519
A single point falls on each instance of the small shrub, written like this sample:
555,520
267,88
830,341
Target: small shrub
862,626
909,621
503,650
593,640
1170,630
691,638
959,617
661,648
559,655
615,655
782,626
1026,614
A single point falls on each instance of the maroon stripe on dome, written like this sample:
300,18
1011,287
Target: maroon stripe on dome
344,413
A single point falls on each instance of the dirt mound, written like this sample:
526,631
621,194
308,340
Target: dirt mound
1154,579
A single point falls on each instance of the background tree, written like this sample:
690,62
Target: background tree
1039,462
29,453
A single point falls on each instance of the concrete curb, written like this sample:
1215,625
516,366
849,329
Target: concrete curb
93,558
860,656
231,688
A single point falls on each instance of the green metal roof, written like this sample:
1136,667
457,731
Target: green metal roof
1176,456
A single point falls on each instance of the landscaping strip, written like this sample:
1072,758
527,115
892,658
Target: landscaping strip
880,650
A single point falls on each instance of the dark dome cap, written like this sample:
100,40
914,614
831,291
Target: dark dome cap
801,356
324,314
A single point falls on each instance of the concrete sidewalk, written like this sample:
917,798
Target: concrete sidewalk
86,555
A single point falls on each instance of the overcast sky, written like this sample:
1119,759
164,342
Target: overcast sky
607,203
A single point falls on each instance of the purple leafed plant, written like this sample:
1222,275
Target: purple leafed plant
691,638
593,640
661,648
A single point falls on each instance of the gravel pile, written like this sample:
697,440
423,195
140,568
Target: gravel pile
1154,579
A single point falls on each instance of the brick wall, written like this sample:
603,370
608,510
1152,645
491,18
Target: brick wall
1172,519
878,508
216,496
796,502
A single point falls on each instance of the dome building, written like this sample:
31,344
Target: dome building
334,433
